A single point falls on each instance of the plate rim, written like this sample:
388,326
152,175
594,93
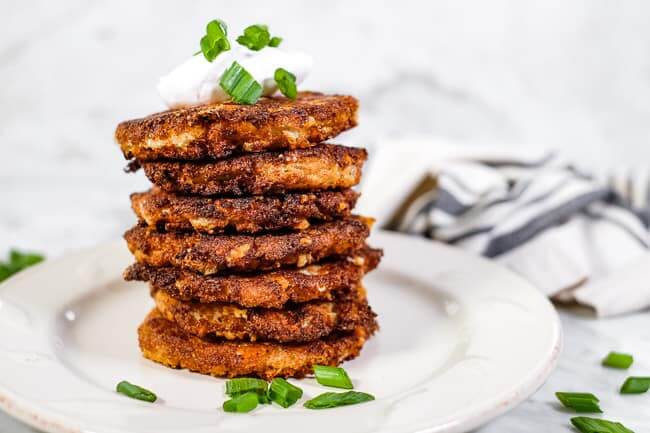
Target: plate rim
48,420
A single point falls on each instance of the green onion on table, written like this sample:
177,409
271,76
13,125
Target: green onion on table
580,402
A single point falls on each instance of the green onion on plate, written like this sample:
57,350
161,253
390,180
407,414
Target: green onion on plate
135,391
284,393
242,385
242,403
334,399
332,376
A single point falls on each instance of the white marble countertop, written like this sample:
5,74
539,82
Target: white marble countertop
568,75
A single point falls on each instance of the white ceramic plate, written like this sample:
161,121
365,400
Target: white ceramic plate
461,341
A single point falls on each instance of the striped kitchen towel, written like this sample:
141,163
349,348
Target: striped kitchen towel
568,233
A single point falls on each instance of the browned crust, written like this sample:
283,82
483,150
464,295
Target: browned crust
296,323
322,167
271,289
209,254
163,341
221,130
169,211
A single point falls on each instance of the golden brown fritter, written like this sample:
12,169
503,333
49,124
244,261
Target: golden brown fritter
209,254
295,323
272,289
223,129
169,211
163,341
322,167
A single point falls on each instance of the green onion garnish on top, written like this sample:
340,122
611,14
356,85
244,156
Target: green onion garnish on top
636,385
284,393
595,425
332,376
17,262
242,403
240,85
580,402
618,360
135,391
255,37
334,399
243,385
286,82
215,40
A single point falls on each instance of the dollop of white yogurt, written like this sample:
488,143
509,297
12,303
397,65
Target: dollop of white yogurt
196,81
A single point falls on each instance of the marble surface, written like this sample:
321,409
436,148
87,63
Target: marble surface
568,75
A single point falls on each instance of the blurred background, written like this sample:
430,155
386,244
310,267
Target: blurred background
568,75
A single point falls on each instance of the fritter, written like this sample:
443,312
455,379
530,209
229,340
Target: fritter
271,289
296,323
220,130
169,211
165,342
322,167
209,254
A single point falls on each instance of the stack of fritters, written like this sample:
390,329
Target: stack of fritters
247,240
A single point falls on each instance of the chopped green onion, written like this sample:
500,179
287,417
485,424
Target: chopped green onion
243,385
284,393
240,85
275,41
286,82
332,376
580,402
215,40
255,37
636,385
135,391
618,360
242,403
334,399
263,398
595,425
17,262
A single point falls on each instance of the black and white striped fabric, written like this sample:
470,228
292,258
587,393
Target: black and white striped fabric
567,233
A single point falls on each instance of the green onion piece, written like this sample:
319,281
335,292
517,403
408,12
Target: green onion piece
242,403
240,85
135,391
286,82
255,37
243,385
263,398
275,41
595,425
284,393
5,272
580,402
332,376
215,40
636,385
17,262
618,360
334,399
